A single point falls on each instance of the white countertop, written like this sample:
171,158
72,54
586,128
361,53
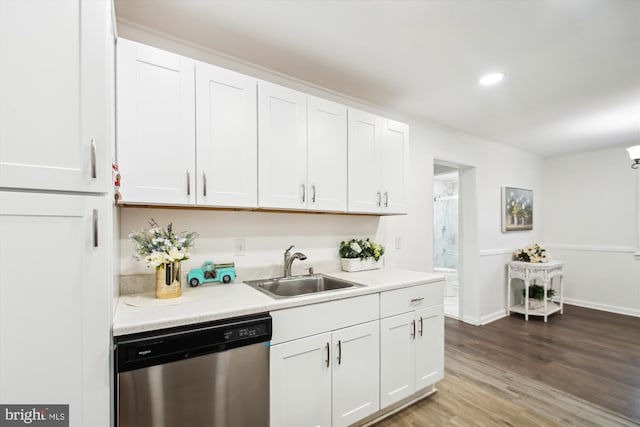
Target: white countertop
219,301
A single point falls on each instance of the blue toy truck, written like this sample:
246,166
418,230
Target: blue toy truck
211,272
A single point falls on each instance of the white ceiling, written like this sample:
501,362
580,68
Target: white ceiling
572,66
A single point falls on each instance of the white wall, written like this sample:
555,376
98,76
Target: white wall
591,223
490,166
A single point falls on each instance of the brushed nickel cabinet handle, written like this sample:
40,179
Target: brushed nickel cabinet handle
188,182
413,328
386,199
204,184
304,192
379,198
421,326
313,193
339,352
414,300
93,159
95,228
327,360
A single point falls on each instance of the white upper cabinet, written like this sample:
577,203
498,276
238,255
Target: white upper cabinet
156,131
302,151
226,136
327,155
378,164
55,95
282,147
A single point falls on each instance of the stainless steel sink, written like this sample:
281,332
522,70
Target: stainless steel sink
286,287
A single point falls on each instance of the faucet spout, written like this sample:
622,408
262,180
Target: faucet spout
288,260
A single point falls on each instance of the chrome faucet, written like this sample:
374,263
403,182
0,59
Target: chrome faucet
288,260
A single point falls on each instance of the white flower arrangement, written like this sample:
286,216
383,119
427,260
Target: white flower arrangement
363,249
532,253
159,246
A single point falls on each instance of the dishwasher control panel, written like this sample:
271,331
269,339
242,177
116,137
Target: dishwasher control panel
153,348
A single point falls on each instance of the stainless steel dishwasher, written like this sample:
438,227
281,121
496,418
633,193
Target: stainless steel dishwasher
211,374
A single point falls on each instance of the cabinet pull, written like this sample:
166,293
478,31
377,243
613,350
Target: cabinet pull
204,184
93,159
379,198
188,182
327,360
414,300
413,328
95,228
304,192
421,326
313,193
386,199
339,352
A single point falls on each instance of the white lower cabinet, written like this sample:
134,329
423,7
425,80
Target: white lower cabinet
329,379
412,342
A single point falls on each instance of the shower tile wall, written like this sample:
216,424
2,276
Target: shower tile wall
445,221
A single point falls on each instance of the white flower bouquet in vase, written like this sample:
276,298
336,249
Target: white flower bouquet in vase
162,249
359,255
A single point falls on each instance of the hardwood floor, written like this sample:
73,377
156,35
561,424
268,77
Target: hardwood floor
579,369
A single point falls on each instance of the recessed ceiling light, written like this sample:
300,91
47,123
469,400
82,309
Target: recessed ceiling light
491,79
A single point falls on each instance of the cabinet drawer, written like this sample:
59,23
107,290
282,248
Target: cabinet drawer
411,298
298,322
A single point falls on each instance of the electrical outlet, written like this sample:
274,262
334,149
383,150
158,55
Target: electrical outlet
241,247
398,242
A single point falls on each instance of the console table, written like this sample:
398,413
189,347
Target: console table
529,271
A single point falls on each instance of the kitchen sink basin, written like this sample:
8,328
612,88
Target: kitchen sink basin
286,287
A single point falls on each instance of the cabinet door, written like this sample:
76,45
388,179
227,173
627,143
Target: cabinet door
226,138
397,358
282,147
54,303
394,152
300,384
356,373
54,102
429,346
364,131
327,174
156,131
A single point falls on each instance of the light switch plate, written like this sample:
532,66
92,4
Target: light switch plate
241,247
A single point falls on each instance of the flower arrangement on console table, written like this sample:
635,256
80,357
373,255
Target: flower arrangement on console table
359,255
162,249
534,253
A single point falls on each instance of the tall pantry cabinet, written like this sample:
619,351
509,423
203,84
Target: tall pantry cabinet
55,209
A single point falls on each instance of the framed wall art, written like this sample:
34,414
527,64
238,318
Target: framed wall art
517,209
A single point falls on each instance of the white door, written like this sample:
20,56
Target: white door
327,174
394,152
53,107
226,138
364,194
156,125
356,373
429,346
55,303
282,147
397,358
300,383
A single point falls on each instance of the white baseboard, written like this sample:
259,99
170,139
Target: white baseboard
493,317
470,320
603,307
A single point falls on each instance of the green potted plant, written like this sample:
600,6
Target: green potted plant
359,255
536,296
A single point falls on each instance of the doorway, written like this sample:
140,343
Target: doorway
446,185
